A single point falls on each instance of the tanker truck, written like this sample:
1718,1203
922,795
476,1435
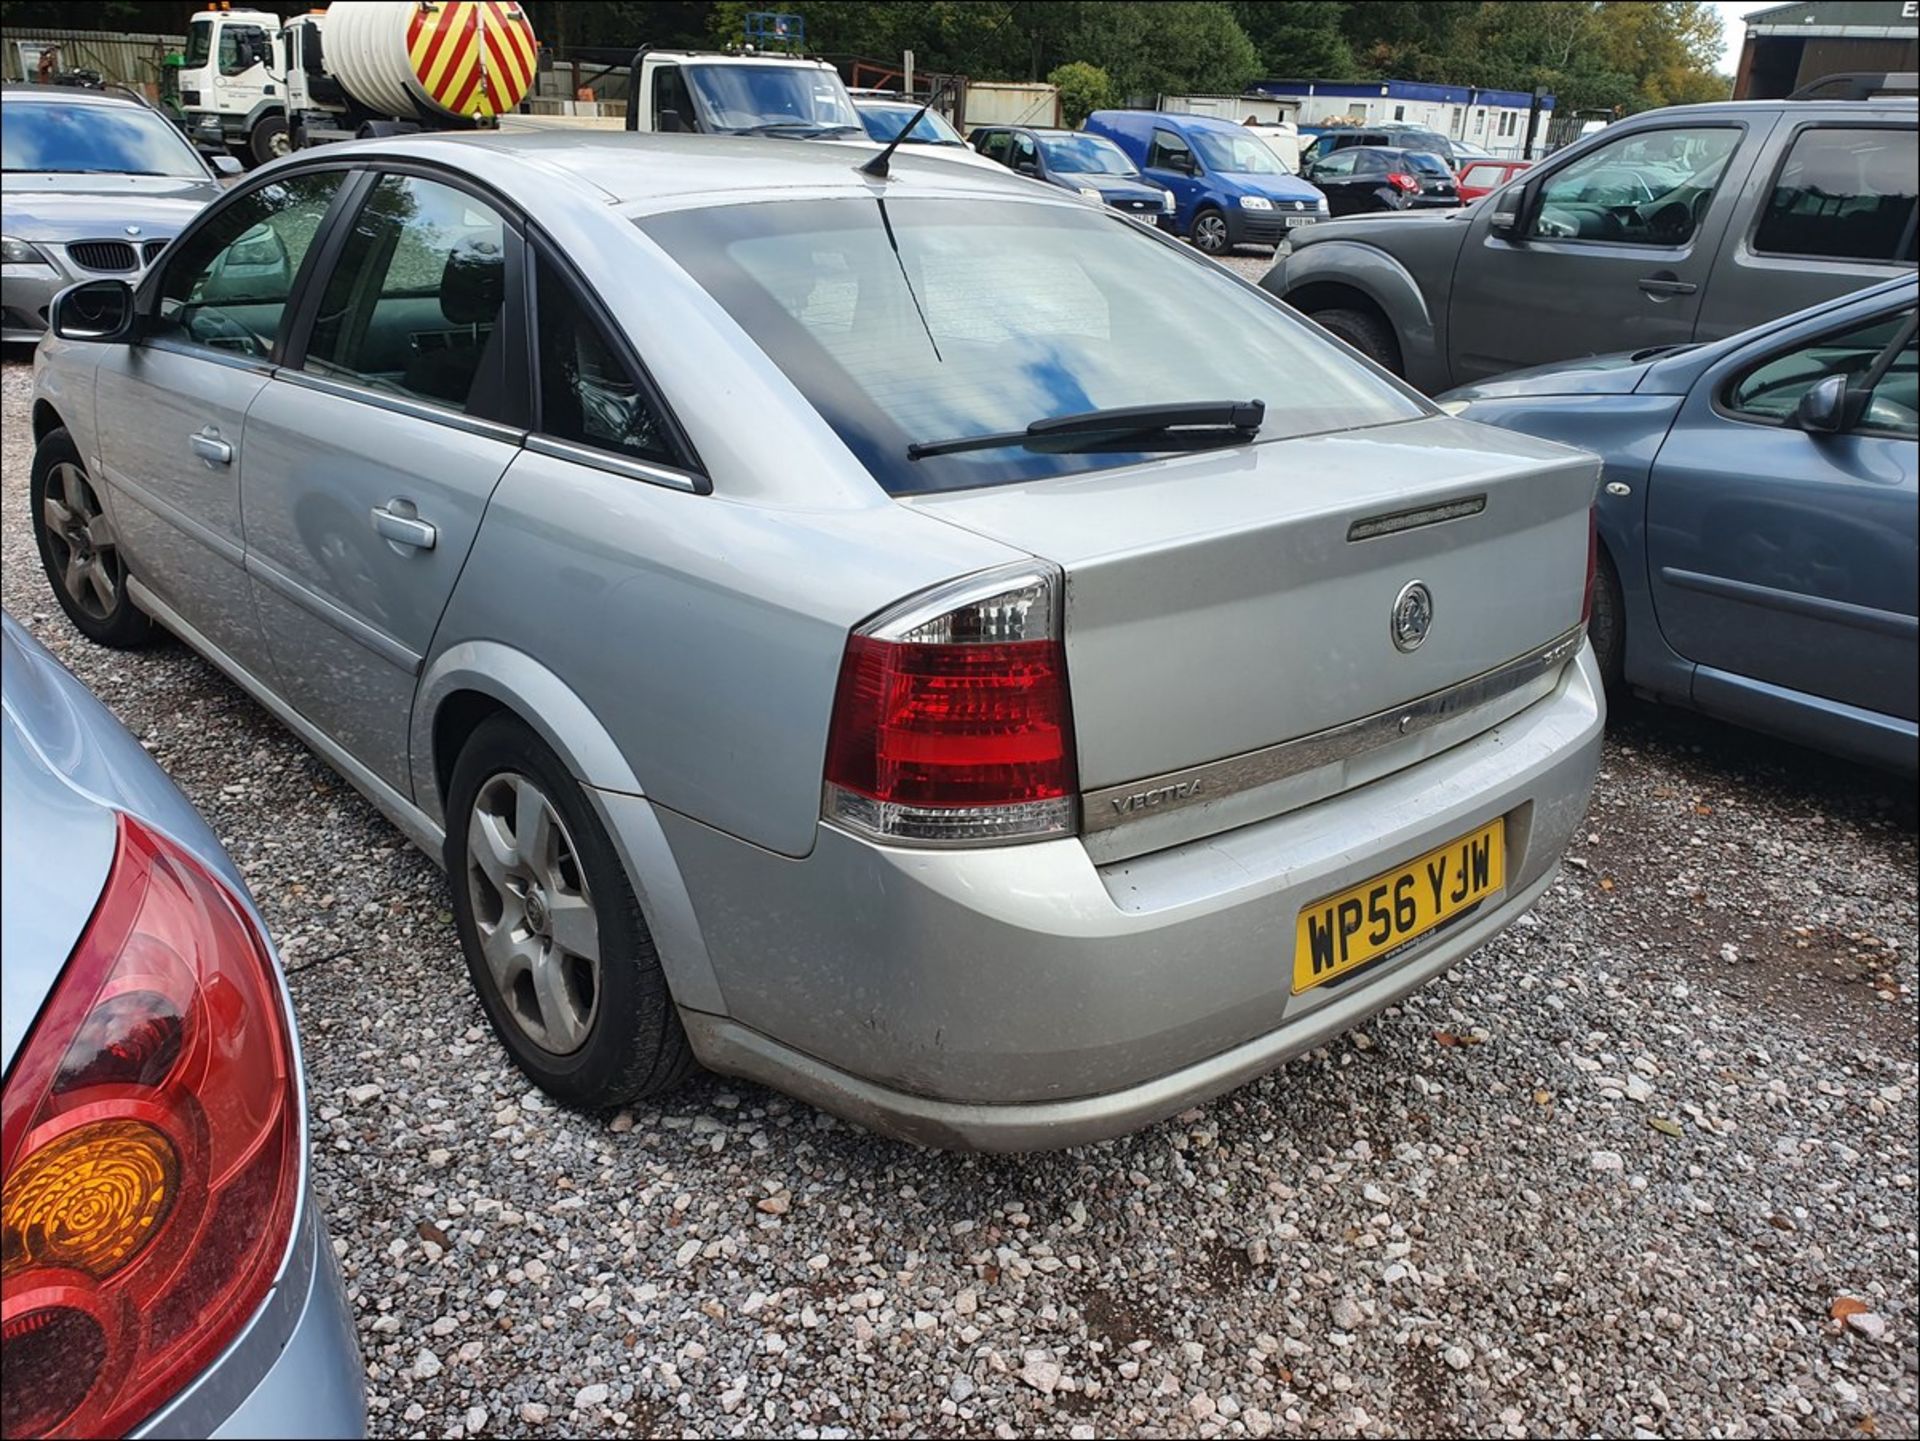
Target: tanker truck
389,67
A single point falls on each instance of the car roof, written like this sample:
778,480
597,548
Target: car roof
16,91
664,171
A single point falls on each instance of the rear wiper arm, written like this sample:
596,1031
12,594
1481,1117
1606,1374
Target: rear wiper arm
1240,418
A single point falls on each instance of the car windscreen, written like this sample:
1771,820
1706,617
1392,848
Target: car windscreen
1085,155
94,139
1235,154
1428,164
883,122
746,97
992,314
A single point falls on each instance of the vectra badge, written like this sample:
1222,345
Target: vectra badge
1159,795
1412,615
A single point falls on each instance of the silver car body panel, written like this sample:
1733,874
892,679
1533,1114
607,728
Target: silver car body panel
294,1369
680,650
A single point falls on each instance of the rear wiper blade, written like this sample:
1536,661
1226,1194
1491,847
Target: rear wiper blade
1183,421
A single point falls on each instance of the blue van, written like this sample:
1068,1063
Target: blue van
1229,188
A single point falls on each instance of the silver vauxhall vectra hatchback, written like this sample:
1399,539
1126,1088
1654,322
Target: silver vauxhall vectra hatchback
911,639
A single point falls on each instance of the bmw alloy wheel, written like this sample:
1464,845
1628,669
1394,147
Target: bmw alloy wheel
538,930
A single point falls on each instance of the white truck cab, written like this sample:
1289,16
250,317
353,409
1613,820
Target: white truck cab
727,92
233,83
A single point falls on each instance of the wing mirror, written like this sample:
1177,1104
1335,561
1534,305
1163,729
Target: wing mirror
100,310
226,165
1828,407
1511,208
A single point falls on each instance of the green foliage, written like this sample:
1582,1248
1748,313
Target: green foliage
1083,89
1299,39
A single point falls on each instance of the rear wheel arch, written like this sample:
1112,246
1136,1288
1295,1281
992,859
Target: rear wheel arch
470,683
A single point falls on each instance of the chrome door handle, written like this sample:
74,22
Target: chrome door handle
211,448
402,528
1665,285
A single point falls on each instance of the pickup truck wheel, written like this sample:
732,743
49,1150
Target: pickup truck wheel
77,547
1607,627
1209,232
270,139
552,932
1366,333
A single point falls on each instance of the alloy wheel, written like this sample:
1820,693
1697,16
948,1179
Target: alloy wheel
82,541
538,930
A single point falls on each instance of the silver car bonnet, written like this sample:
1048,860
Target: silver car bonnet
94,207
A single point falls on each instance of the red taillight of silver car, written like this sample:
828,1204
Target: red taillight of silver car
149,1141
951,725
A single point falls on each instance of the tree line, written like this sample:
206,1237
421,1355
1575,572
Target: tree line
1591,54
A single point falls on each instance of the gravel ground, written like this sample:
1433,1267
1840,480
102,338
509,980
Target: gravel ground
1617,1173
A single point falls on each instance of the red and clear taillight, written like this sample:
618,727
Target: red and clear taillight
951,725
149,1142
1403,182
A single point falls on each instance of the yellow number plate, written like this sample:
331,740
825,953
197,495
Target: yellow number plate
1341,932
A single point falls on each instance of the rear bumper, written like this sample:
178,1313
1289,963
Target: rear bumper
296,1371
1021,997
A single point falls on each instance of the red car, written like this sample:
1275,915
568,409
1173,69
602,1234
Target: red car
1477,177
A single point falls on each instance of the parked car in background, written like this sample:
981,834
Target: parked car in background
95,183
1144,664
1363,178
1088,165
1758,522
1228,187
1478,177
1667,227
885,118
167,1268
1330,140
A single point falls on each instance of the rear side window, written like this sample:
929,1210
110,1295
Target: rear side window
415,302
588,394
924,320
995,146
1844,194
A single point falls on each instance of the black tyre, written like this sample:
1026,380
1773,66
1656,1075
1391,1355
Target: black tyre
78,549
1365,332
552,931
1607,627
270,139
1209,231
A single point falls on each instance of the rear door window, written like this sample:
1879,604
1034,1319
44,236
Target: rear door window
415,303
996,146
1844,193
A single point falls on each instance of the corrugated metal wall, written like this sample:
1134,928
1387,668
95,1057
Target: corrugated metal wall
121,59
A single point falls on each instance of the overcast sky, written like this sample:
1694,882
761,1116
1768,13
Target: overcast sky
1736,33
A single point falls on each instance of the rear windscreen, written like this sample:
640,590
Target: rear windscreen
923,320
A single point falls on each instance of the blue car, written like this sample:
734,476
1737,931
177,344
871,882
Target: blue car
1229,188
1086,164
1757,520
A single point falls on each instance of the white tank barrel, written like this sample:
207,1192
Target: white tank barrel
463,59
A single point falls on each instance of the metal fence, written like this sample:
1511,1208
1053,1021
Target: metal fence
120,59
